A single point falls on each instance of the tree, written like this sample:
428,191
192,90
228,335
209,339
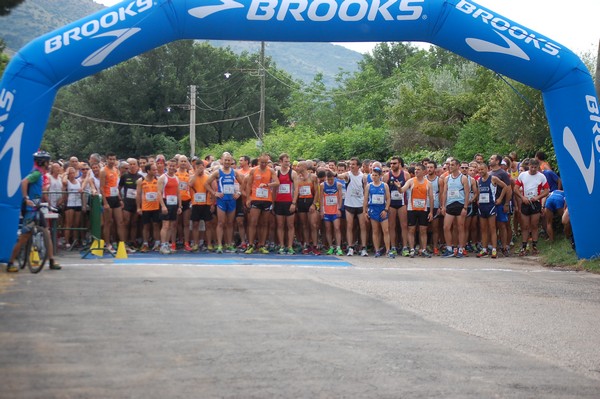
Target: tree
7,5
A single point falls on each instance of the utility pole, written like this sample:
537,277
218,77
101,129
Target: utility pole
261,69
192,120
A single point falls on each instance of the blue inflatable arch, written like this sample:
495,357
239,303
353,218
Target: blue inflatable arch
132,27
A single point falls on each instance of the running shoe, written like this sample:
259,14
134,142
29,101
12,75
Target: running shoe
282,251
378,253
187,247
243,246
394,251
12,268
459,254
534,251
173,247
436,251
405,252
230,249
306,250
145,248
523,252
465,253
263,250
447,253
291,251
482,254
165,250
363,252
339,252
250,250
494,253
350,251
111,249
315,251
469,247
330,251
391,255
219,249
156,247
411,254
195,247
425,254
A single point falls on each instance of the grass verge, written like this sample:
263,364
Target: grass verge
560,254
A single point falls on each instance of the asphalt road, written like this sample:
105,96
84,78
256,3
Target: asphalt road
230,326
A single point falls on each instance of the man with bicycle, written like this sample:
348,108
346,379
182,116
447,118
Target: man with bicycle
31,187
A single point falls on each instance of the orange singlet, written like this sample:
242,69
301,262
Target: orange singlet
184,185
111,188
200,195
260,177
150,195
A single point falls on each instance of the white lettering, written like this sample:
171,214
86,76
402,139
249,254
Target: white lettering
383,10
266,8
6,101
414,11
500,24
296,13
91,28
594,110
329,5
363,7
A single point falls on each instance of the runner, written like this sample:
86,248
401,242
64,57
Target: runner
437,186
170,206
148,207
112,201
183,219
419,193
283,202
128,189
306,188
226,193
376,205
455,202
396,178
487,209
355,192
261,180
203,207
331,200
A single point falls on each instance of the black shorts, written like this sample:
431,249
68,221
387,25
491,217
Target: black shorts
74,208
282,208
185,205
454,209
304,204
473,210
417,218
488,211
354,210
113,202
262,205
531,208
201,212
130,205
150,217
171,214
435,212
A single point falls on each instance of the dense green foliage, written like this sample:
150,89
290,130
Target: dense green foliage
403,100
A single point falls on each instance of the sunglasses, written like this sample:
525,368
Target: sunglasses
85,168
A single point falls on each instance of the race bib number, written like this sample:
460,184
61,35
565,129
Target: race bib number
344,193
114,191
454,194
284,189
151,197
356,193
331,200
396,196
171,200
530,194
262,192
304,190
228,189
418,203
378,199
183,186
131,193
484,198
200,198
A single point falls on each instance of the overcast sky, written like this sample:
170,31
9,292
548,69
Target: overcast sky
572,23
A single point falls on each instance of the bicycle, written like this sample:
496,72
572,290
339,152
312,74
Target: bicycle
34,253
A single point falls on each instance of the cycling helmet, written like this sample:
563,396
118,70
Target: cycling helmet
40,157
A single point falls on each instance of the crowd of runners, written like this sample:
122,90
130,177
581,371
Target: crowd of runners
348,207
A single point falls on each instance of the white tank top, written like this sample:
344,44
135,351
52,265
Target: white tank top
56,186
74,196
355,192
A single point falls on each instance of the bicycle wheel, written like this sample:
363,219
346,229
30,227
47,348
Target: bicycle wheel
37,249
22,256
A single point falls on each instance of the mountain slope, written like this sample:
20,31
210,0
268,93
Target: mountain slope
303,61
